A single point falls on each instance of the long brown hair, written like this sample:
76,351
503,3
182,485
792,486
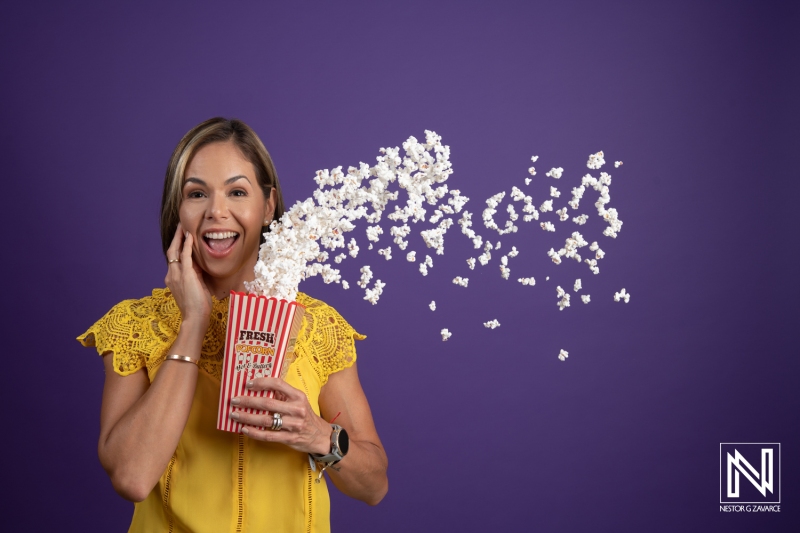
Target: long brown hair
213,130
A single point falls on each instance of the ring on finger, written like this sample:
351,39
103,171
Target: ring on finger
277,422
174,261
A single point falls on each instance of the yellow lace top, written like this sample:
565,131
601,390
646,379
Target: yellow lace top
218,481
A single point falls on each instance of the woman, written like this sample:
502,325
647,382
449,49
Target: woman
158,440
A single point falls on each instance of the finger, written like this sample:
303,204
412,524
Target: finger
268,435
268,404
288,423
186,253
173,252
275,384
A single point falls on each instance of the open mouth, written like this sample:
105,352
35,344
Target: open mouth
220,242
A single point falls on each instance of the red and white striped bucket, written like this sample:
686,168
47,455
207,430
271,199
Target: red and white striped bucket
259,342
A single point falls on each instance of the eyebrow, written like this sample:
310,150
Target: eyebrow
227,181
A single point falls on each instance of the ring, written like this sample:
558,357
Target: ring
277,422
173,261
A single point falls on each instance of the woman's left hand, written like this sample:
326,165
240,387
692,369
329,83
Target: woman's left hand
302,429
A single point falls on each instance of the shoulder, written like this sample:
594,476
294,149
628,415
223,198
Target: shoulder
327,337
133,329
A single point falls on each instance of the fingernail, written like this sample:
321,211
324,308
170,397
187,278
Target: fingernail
187,234
245,431
235,401
249,384
235,416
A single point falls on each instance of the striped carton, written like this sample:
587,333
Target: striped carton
259,342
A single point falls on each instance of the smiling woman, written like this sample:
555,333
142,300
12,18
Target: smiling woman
158,440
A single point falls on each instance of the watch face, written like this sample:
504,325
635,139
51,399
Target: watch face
344,442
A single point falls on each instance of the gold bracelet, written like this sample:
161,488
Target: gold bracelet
176,357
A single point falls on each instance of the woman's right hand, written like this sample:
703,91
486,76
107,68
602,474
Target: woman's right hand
185,281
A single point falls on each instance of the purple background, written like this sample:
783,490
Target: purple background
489,431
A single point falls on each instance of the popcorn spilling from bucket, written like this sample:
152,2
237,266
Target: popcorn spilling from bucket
409,188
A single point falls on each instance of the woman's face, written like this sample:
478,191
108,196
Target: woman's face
224,208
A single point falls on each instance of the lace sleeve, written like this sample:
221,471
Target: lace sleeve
327,339
131,332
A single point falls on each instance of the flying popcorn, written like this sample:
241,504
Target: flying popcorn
580,220
562,214
446,334
562,355
554,192
596,161
617,164
527,281
528,180
577,285
411,257
372,295
458,280
546,206
547,226
555,173
492,324
471,263
386,252
432,305
586,298
622,295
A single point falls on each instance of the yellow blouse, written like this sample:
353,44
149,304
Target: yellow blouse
218,481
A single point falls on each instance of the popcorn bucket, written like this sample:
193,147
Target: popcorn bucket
259,342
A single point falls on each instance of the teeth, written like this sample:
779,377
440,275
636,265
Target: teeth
221,235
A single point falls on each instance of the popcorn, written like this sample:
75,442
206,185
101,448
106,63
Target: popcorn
471,263
593,247
528,180
446,334
428,261
552,254
366,275
411,256
514,252
534,158
577,285
423,268
547,226
432,305
339,258
546,206
527,281
555,193
532,172
596,160
600,254
555,173
562,355
564,301
372,295
345,285
622,295
586,298
492,324
593,265
617,164
458,280
353,247
373,233
504,271
497,246
386,252
562,214
580,220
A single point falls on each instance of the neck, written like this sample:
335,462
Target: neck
221,288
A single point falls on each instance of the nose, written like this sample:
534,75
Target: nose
217,207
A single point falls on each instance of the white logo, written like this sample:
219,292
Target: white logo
734,464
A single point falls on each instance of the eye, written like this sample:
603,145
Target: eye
194,194
239,192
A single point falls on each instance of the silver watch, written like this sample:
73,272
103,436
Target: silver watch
340,443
